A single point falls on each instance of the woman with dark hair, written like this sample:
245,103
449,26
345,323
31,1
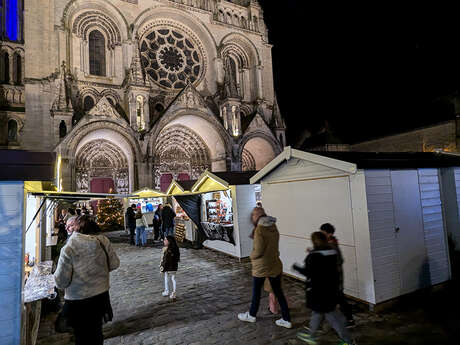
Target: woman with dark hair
83,272
169,264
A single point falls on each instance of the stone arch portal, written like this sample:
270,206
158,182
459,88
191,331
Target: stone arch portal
104,162
102,167
179,153
256,154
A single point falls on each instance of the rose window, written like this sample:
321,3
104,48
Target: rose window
170,58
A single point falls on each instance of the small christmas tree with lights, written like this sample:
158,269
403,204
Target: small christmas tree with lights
110,214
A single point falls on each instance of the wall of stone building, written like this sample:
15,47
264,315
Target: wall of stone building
38,132
441,136
3,128
48,44
40,39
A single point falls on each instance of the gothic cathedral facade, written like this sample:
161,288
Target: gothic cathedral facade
135,93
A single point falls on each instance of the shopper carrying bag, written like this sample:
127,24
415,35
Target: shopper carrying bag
83,271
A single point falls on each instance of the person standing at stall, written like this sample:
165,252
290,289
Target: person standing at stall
266,264
158,234
141,223
83,271
167,218
131,222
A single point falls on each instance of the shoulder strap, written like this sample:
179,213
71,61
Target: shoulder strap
105,251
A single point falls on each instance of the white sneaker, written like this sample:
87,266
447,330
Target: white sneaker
283,323
165,293
173,295
246,317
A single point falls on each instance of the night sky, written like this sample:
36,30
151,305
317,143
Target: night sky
360,72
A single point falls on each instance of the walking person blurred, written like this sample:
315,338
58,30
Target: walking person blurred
141,224
83,271
131,222
169,265
322,290
167,218
266,264
329,230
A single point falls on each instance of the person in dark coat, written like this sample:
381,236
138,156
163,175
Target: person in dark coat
169,264
322,289
167,218
329,230
131,222
157,224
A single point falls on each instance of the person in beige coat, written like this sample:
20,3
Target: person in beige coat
266,263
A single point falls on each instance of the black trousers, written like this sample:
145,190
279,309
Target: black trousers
86,317
345,307
157,232
277,290
132,232
88,331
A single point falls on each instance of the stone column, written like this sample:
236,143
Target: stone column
260,91
23,70
246,85
11,61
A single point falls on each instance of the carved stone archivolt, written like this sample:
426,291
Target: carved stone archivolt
248,163
88,20
179,150
101,158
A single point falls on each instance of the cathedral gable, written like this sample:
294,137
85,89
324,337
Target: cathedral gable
258,124
104,108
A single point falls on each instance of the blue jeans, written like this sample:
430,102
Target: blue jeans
169,231
277,290
140,230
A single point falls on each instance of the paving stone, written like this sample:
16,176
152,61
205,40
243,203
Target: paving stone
212,289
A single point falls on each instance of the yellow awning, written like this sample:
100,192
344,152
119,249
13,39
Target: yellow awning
208,182
148,193
175,189
39,186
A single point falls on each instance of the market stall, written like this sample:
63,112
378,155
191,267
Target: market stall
184,226
220,204
147,200
388,210
16,167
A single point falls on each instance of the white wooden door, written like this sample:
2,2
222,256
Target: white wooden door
409,229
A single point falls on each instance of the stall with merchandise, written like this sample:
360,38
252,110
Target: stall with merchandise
220,205
147,200
184,226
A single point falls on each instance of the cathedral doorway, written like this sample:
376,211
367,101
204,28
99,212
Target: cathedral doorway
102,167
180,154
256,154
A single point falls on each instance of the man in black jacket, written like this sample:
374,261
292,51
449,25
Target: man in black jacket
322,290
131,222
157,223
167,218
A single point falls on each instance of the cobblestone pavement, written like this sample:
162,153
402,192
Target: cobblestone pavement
212,289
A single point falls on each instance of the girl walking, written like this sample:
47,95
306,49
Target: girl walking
322,290
169,265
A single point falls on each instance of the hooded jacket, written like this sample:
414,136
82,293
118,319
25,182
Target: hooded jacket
322,285
265,255
83,267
